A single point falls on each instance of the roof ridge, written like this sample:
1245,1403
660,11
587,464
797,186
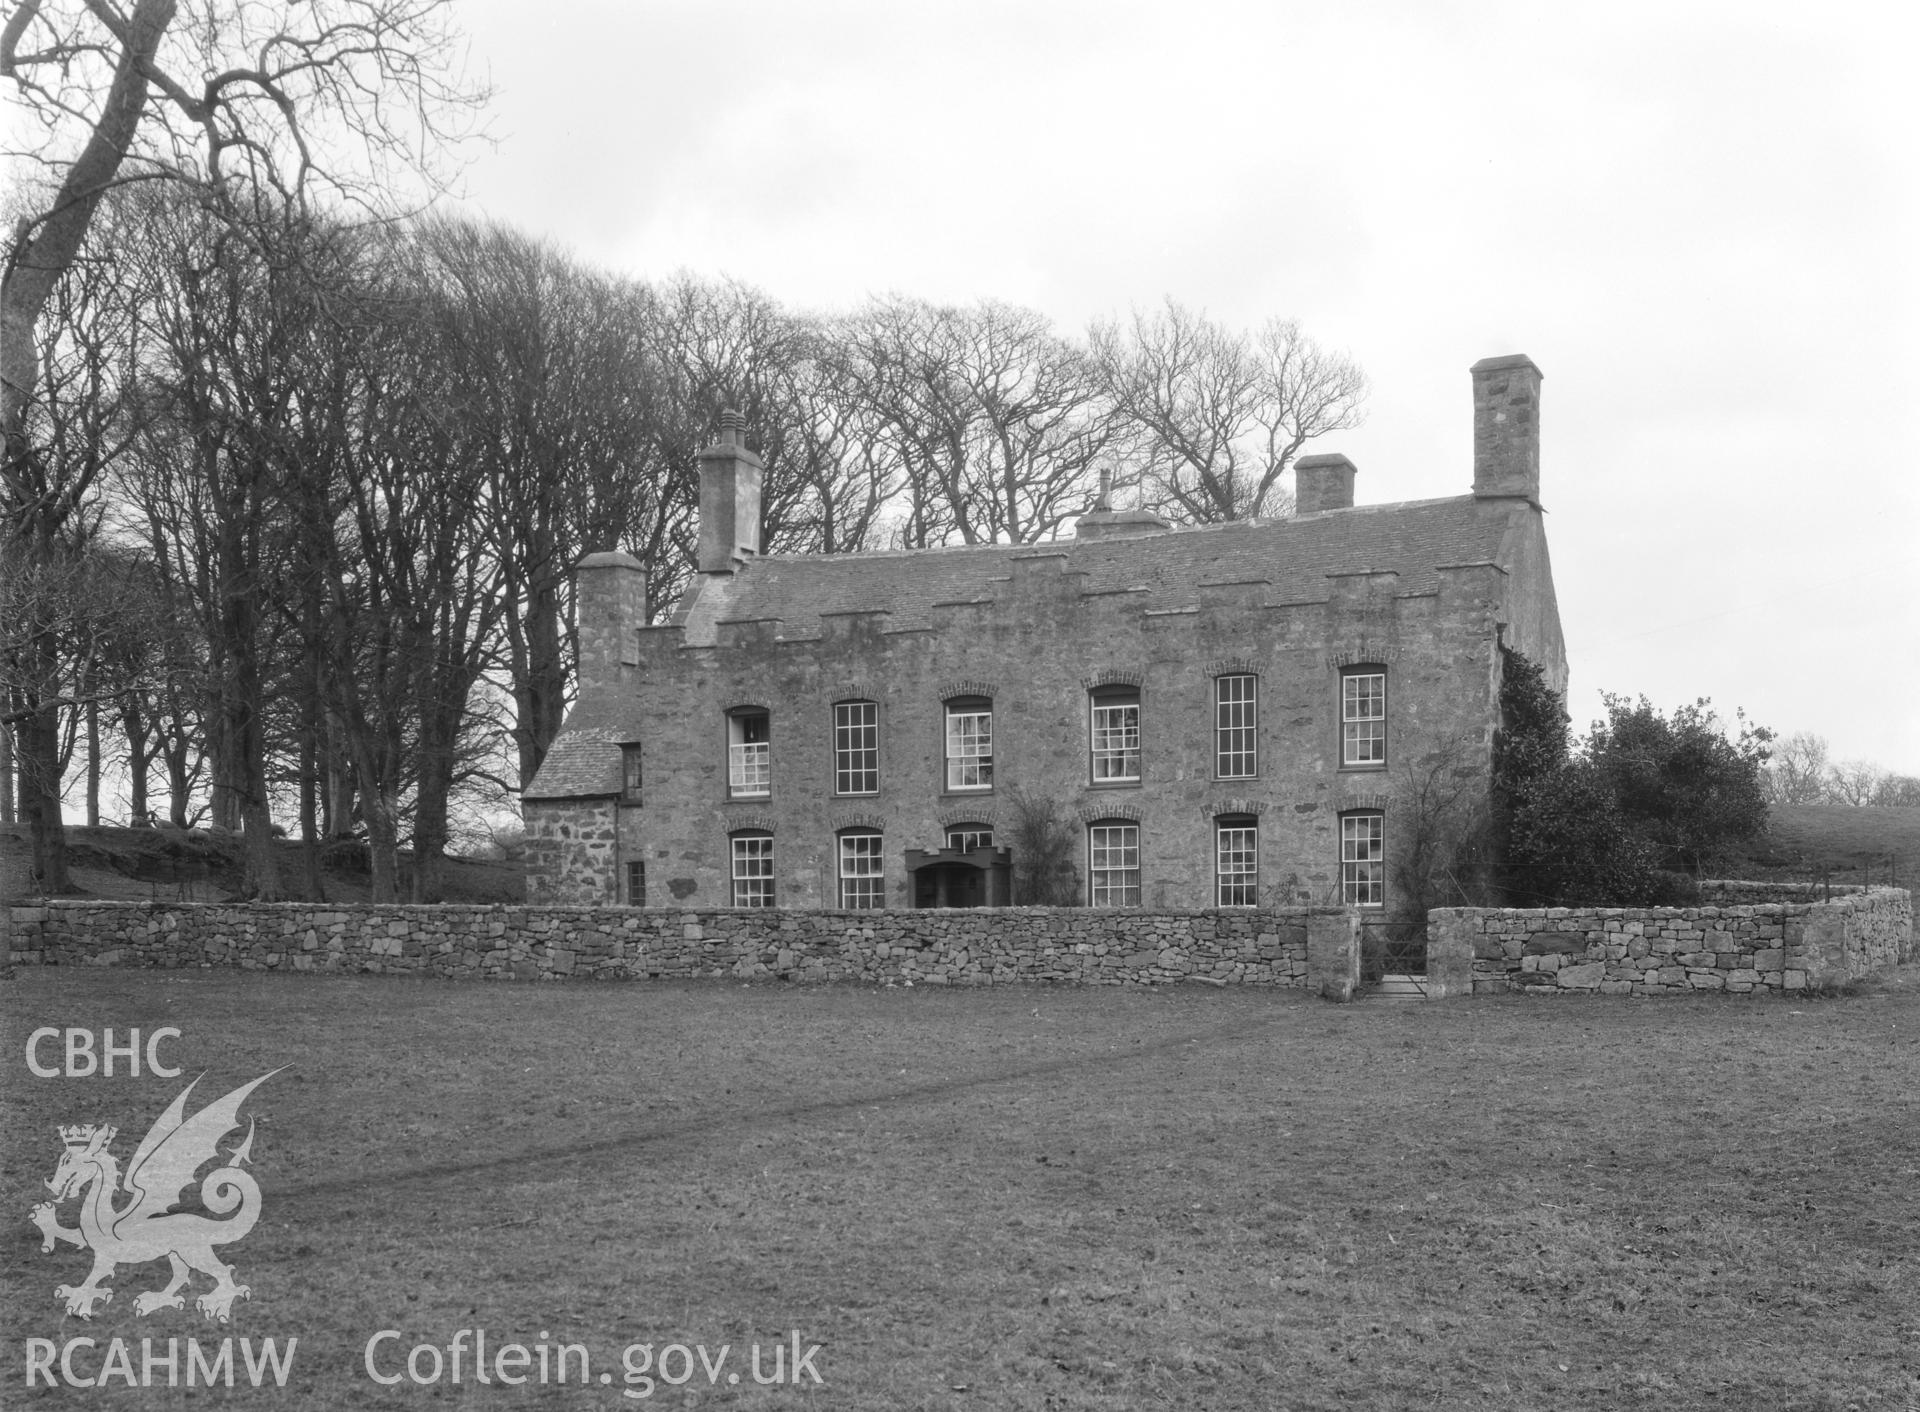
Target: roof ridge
1067,544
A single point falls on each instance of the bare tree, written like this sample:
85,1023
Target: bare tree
836,478
995,422
51,479
1797,769
1898,792
1218,416
546,378
214,92
1854,782
332,95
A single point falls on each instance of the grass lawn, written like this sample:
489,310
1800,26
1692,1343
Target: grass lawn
1025,1198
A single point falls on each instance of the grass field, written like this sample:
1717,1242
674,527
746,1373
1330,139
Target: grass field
1024,1198
1847,844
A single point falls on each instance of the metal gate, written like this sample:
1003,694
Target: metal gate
1392,949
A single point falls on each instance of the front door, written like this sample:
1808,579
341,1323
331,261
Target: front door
949,885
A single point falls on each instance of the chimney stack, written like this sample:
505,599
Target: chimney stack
610,592
1506,428
1322,483
729,498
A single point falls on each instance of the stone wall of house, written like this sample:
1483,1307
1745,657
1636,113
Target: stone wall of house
1285,947
572,852
1035,650
1780,946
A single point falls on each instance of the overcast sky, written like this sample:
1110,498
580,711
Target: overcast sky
1698,219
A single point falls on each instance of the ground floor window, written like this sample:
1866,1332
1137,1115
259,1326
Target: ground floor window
636,884
862,879
752,869
1236,865
1113,865
1363,860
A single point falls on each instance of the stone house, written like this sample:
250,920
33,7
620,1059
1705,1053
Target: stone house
1227,716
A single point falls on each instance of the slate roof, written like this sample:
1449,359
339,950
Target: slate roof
584,763
1295,556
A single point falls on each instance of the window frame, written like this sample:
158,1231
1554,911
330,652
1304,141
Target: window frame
1245,880
754,888
1363,718
636,870
1104,882
632,777
1363,860
739,726
1107,699
843,772
1249,728
865,888
981,832
956,708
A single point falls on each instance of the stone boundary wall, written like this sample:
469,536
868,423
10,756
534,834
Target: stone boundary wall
1720,892
958,947
1783,946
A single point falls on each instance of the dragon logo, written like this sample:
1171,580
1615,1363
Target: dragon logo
146,1228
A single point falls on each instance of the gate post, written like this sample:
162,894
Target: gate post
1333,954
1449,954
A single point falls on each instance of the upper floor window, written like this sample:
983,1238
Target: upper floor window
1363,860
749,754
630,774
970,743
862,871
1114,735
1236,724
1236,861
856,747
1363,717
1113,864
964,838
752,860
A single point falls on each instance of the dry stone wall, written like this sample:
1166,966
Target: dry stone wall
556,943
1720,892
1674,950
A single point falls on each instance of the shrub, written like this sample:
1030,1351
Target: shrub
1646,802
1569,845
1683,784
1044,841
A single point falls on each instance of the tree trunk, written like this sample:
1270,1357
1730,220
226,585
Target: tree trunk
8,773
383,846
224,789
430,822
139,759
93,764
337,821
309,812
174,751
40,800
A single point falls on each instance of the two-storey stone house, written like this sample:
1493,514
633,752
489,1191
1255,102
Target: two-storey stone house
1230,715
